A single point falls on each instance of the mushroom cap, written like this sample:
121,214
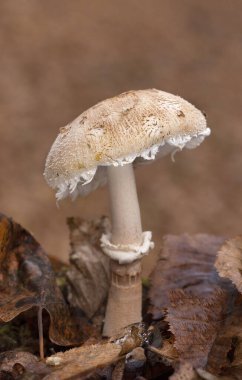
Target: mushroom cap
132,127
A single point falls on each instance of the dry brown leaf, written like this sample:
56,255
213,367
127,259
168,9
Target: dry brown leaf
208,331
225,357
27,280
186,262
186,285
229,261
237,359
187,372
195,322
89,269
80,361
30,364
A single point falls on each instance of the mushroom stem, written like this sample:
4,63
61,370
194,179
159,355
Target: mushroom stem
125,293
125,211
124,298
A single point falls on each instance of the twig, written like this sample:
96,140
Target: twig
41,339
159,353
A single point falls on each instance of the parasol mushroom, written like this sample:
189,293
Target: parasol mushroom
101,145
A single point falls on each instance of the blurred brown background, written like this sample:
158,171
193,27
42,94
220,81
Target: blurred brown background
59,57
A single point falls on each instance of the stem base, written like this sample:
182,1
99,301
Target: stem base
125,297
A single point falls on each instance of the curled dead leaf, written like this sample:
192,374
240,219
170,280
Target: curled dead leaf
187,372
79,361
229,261
89,267
225,357
186,262
13,361
195,322
27,280
196,301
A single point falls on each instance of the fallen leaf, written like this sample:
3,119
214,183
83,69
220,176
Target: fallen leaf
186,262
187,372
229,261
226,354
80,361
89,269
195,322
27,280
196,301
12,360
225,357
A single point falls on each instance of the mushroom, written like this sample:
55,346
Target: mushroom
101,145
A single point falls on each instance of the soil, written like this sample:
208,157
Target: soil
60,57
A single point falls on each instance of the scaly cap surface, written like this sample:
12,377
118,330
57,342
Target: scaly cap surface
131,127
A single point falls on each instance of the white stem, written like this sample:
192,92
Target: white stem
125,211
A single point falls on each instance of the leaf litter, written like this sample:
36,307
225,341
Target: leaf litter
89,267
229,261
197,313
202,309
84,359
186,262
20,362
27,280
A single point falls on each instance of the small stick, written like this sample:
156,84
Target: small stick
41,339
154,349
159,353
